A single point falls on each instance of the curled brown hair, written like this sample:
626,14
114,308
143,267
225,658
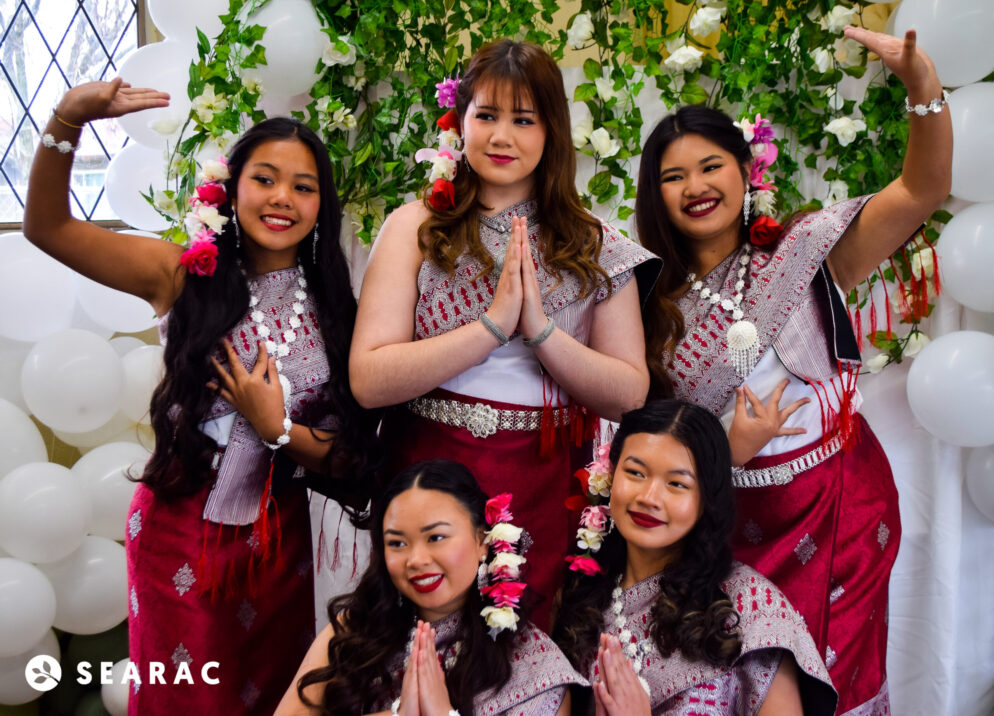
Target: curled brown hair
570,237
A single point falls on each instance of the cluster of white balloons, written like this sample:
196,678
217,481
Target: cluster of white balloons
951,382
61,561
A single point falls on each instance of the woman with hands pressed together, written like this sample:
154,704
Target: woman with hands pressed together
748,316
425,633
257,320
502,318
659,618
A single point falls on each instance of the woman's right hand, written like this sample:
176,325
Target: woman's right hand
505,309
410,697
619,691
100,100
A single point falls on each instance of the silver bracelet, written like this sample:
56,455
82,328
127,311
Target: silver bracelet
64,147
935,106
494,329
540,338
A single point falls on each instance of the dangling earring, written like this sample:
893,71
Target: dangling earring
400,599
465,160
746,206
314,247
238,233
481,574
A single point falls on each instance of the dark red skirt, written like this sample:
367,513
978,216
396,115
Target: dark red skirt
829,540
203,592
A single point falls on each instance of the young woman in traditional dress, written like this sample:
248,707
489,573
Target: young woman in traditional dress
433,626
661,620
740,330
498,314
258,319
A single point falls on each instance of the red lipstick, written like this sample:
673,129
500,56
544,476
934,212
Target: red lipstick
285,222
424,583
644,520
701,207
500,158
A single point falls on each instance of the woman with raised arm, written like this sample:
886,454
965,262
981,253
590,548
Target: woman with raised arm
433,626
498,314
747,316
659,617
254,405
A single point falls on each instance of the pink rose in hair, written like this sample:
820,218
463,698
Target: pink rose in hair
200,258
583,563
211,194
505,594
594,517
497,509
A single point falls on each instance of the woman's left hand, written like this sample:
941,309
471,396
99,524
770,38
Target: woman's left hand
257,395
533,319
903,57
619,691
432,691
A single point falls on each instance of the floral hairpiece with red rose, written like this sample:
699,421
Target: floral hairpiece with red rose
764,229
499,581
203,222
595,520
445,159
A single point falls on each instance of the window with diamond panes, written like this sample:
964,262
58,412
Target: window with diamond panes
47,46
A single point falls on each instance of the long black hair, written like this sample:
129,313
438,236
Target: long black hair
208,307
664,325
373,623
691,614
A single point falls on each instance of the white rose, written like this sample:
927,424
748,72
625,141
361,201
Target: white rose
504,532
599,483
684,59
922,262
822,58
508,560
605,89
845,129
165,203
837,191
214,170
582,128
877,362
449,138
580,31
916,341
838,17
442,167
588,539
848,52
340,52
602,143
500,618
706,20
209,217
764,202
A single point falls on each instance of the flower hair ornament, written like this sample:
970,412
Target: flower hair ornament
499,580
445,159
595,520
759,198
203,222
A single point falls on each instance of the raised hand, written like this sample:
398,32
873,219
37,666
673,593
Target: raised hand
99,100
506,306
257,395
619,691
749,433
433,693
533,319
903,57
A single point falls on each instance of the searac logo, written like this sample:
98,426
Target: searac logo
43,673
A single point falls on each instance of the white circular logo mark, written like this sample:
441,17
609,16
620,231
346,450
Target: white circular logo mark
43,673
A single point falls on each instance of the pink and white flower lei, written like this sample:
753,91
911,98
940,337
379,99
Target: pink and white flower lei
759,134
500,582
445,159
595,520
203,222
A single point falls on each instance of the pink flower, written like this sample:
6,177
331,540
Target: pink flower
497,509
447,92
594,517
200,258
212,194
500,545
583,563
505,594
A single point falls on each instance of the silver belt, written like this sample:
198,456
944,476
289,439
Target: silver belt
480,419
784,473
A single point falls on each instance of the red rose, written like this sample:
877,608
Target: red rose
497,510
449,120
764,231
211,194
200,258
583,563
443,195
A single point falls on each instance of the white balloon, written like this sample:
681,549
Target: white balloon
132,171
980,480
73,381
103,472
44,512
20,441
177,19
294,44
955,34
12,355
91,587
36,291
971,109
279,105
27,606
14,688
164,66
966,255
117,310
81,320
125,344
951,388
115,694
104,434
143,368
